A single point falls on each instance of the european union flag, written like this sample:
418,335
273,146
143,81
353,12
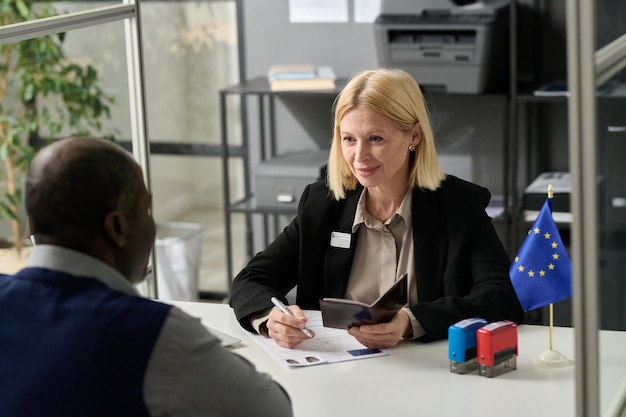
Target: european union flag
542,272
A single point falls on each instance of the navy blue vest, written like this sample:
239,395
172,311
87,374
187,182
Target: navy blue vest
71,346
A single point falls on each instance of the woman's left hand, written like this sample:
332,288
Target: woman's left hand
383,335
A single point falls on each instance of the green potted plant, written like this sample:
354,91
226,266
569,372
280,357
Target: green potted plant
42,94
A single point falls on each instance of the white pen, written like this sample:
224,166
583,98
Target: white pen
285,310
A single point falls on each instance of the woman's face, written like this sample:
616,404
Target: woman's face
376,151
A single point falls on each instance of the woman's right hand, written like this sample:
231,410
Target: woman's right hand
287,330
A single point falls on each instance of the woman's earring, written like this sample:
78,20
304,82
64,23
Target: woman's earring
411,148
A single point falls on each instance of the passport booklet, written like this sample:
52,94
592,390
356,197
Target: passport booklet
340,313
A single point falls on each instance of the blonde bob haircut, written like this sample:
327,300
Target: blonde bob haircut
395,94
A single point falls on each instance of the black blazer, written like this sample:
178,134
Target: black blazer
462,269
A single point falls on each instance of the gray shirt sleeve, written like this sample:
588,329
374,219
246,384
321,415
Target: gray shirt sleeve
191,374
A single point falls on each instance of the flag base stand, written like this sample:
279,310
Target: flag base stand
551,359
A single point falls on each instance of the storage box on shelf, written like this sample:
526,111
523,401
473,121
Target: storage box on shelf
281,180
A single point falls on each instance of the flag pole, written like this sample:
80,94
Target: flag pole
551,358
551,323
551,196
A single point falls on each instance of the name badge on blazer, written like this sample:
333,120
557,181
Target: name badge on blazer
340,240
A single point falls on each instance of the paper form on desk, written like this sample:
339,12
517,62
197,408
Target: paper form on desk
328,346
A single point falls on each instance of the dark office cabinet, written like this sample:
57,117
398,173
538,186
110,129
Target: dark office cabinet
611,167
611,163
612,209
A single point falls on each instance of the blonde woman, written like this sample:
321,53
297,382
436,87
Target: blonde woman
386,208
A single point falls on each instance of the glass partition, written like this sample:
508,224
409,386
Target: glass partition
189,52
611,150
43,71
597,129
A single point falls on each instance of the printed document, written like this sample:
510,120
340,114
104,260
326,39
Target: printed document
328,346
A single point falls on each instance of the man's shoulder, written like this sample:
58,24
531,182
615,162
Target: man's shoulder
182,329
86,292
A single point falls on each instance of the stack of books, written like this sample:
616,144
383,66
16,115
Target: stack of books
301,77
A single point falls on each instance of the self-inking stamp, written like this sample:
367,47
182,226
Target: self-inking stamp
462,345
497,348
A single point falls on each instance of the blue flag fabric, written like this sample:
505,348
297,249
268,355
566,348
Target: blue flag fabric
541,272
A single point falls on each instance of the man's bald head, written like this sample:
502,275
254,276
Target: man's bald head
73,183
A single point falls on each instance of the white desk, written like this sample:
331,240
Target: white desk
416,380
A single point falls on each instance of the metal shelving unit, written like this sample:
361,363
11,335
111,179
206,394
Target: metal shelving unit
259,90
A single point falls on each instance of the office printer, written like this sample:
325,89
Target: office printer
449,46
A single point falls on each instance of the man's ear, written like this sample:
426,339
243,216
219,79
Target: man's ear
115,227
